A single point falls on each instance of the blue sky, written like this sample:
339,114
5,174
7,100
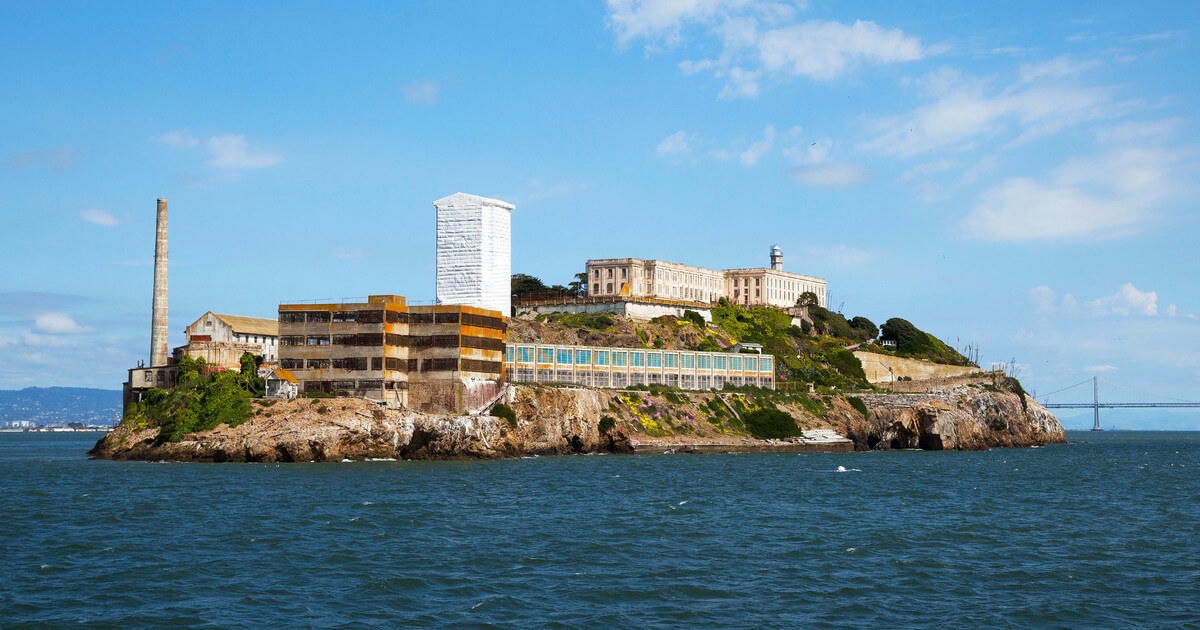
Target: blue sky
1015,175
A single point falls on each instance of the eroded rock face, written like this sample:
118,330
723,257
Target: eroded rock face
553,422
961,418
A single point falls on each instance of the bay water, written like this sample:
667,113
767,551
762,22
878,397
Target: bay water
1101,532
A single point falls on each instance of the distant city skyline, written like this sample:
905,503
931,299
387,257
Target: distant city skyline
1018,177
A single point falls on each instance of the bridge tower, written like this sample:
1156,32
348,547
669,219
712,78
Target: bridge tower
1096,404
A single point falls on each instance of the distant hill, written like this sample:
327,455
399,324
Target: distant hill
59,405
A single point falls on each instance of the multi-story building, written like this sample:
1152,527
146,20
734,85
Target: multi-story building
662,280
441,359
623,367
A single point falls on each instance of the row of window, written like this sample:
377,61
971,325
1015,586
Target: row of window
347,385
394,364
392,317
626,379
632,358
393,339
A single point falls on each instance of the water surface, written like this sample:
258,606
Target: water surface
1100,532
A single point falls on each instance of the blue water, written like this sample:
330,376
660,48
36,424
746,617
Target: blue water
1102,532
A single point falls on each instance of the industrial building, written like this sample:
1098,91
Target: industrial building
221,339
662,280
440,359
623,367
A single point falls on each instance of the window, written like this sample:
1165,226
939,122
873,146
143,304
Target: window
525,354
564,357
619,358
757,292
757,281
583,357
751,364
545,355
623,270
766,364
609,287
735,363
610,272
655,359
637,359
597,274
602,357
704,361
596,287
509,354
687,361
671,359
719,362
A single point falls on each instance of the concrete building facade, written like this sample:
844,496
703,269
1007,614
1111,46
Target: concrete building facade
221,339
474,252
662,280
623,367
439,359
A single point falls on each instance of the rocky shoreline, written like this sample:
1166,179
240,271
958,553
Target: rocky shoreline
566,420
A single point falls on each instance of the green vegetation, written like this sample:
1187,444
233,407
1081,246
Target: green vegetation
915,343
858,404
200,401
501,410
594,321
607,423
695,318
766,424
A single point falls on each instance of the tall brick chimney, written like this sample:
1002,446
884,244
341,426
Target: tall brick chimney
158,320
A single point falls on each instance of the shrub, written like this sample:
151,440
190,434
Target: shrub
323,410
695,318
607,423
766,424
858,404
501,410
865,327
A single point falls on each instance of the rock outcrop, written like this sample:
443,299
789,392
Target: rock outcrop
564,420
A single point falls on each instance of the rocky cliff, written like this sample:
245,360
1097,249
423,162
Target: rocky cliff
563,420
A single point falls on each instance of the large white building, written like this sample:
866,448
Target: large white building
662,280
474,252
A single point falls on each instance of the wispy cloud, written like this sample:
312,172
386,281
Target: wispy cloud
1119,190
814,168
58,159
678,143
229,152
1127,301
756,151
761,40
99,217
421,92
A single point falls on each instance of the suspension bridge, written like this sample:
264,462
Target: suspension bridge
1106,395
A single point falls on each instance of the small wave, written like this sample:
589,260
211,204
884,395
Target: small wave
682,502
367,503
843,469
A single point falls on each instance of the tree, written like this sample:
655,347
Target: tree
907,337
865,327
808,298
523,283
578,286
251,381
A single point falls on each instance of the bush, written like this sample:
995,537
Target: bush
914,343
501,410
858,404
695,318
865,327
846,363
607,423
766,424
199,402
594,321
323,410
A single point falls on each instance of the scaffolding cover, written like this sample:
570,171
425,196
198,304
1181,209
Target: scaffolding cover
474,252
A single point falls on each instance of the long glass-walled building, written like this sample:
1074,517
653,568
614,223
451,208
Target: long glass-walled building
622,367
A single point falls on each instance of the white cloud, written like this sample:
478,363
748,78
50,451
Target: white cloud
1128,300
1172,310
421,92
677,143
756,151
58,323
760,38
927,168
831,175
964,109
1100,368
826,50
179,139
1061,66
226,151
99,217
230,151
1111,194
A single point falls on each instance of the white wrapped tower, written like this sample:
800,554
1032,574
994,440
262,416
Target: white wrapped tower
474,252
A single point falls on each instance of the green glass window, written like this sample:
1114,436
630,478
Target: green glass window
619,358
509,353
752,364
602,355
687,361
704,361
735,363
564,357
524,354
583,357
719,362
767,364
671,359
655,359
637,359
545,355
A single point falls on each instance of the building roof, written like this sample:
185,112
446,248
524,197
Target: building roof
250,325
286,376
459,199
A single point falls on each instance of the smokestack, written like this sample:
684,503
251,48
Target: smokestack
158,321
